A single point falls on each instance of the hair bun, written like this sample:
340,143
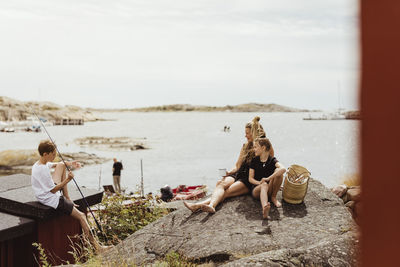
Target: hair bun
256,119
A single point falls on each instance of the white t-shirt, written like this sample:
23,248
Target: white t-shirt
42,184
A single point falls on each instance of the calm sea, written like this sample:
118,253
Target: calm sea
189,148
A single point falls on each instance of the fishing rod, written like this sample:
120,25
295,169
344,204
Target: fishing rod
77,186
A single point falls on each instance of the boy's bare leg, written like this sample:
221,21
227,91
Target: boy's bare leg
81,217
273,190
60,175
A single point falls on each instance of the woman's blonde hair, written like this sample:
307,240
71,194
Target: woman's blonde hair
257,131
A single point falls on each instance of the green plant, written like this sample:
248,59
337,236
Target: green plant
174,259
82,249
121,216
44,261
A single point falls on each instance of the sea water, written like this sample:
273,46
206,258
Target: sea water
190,147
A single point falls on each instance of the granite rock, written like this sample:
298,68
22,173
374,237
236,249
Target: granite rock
320,230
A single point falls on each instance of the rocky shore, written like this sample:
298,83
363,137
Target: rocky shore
353,115
21,161
14,110
318,232
112,143
351,197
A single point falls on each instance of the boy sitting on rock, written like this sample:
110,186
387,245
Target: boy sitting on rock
47,186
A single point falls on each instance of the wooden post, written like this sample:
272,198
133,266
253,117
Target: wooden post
380,132
141,179
100,177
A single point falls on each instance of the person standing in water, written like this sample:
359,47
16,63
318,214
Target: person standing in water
117,167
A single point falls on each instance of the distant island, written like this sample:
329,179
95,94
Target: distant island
249,107
12,110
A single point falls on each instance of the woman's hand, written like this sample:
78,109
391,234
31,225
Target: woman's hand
229,173
266,180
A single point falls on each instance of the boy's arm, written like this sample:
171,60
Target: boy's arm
63,183
52,164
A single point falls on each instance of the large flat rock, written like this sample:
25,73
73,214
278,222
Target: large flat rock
237,231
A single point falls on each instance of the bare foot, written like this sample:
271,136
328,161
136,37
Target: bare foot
207,208
266,210
192,206
276,202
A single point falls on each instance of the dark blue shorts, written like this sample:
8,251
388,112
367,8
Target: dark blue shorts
65,206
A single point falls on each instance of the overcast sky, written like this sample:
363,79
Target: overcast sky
135,53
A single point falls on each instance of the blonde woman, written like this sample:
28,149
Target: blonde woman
235,182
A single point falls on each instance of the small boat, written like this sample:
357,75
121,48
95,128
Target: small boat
33,128
184,192
309,118
338,115
6,127
8,130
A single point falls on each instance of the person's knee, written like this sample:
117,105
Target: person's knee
226,184
219,183
278,179
264,187
60,166
81,216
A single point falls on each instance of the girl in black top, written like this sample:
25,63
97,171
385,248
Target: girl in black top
266,175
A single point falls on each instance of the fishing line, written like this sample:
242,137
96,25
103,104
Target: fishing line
84,198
